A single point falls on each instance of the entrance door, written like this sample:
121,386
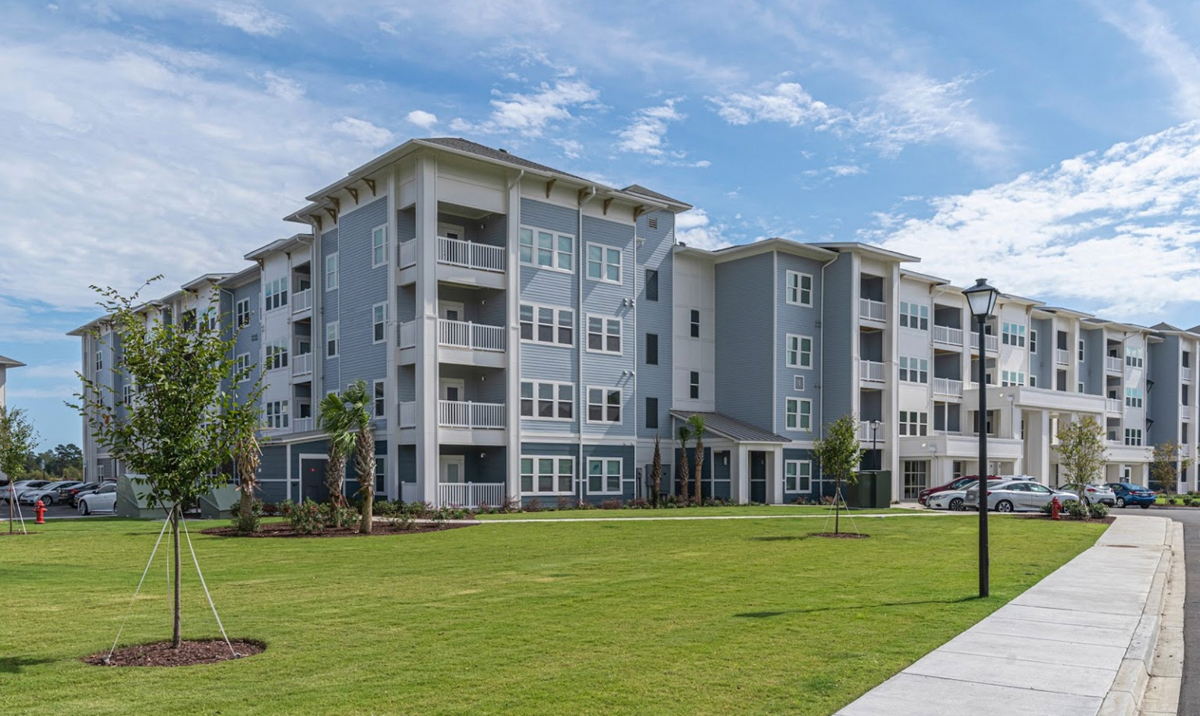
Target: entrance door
758,476
312,480
451,311
451,389
451,469
451,231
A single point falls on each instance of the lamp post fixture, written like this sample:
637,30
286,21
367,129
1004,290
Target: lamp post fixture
982,300
874,445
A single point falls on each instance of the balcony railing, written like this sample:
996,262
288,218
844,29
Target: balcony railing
871,370
470,494
302,425
407,415
864,432
1113,364
947,335
874,310
302,364
993,342
1062,357
947,386
463,334
462,414
469,254
1113,405
302,300
407,255
406,334
1185,373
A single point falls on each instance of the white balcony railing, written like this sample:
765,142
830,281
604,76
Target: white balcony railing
407,415
865,432
463,334
407,255
993,342
302,425
469,254
871,370
1185,373
302,364
461,414
1113,364
406,335
470,494
1062,357
947,386
874,310
1112,405
947,335
302,300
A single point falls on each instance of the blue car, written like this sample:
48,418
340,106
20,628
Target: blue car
1130,494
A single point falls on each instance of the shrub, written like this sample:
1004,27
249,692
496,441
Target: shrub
1171,501
510,504
400,518
459,513
245,524
439,516
532,506
610,504
343,516
270,509
484,508
639,504
305,517
566,503
1098,511
1075,509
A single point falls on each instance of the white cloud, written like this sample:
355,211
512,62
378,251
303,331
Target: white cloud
421,118
786,102
846,170
285,88
694,228
250,18
1150,29
571,148
648,131
530,114
1128,215
364,132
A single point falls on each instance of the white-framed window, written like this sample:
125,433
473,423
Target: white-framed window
1134,357
797,476
694,322
1133,397
1013,334
914,370
380,475
379,322
546,475
1032,340
799,288
547,324
914,315
798,382
546,400
913,422
1032,380
275,413
916,478
1080,351
241,313
603,263
331,339
547,249
1012,377
277,354
275,294
378,395
694,384
798,414
799,351
604,475
241,366
99,358
331,271
1133,437
1079,387
126,394
603,334
604,405
379,248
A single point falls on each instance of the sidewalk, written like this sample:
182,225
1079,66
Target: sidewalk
1081,639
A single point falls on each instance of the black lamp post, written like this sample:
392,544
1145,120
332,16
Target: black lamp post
874,445
982,300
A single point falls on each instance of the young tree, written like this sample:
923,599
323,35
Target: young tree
335,421
1166,464
696,423
357,404
1081,452
180,429
17,440
684,433
656,472
839,455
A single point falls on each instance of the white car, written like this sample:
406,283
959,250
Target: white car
48,494
949,500
21,486
102,500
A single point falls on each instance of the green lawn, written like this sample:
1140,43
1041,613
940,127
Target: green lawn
743,511
657,617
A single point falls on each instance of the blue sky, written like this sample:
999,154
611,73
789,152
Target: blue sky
1049,146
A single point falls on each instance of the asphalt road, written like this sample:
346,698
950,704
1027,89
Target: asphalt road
52,512
1189,693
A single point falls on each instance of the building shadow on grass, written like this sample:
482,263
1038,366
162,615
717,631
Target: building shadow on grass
815,610
14,664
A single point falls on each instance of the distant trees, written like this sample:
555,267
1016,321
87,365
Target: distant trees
17,439
63,461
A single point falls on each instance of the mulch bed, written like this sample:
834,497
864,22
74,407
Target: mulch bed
160,653
283,529
839,535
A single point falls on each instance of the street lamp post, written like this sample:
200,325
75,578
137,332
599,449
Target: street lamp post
874,446
982,300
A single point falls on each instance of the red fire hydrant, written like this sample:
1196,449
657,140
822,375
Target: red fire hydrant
40,510
1055,508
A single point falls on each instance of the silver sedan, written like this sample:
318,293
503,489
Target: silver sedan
1016,496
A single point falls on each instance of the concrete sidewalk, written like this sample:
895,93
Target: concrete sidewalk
1078,643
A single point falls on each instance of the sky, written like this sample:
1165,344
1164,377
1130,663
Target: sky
1051,147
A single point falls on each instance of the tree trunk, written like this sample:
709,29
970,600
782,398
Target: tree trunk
683,473
699,492
364,462
656,472
837,506
176,634
246,504
335,471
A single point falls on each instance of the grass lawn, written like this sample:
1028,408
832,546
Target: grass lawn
672,617
743,511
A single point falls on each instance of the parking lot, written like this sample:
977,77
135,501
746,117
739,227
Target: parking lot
52,512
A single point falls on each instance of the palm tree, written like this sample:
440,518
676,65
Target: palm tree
357,403
696,422
335,421
656,472
247,456
685,433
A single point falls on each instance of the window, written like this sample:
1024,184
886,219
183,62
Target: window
379,322
651,285
652,413
694,385
546,324
914,370
241,367
1133,397
127,395
1133,357
1184,395
604,405
916,477
914,423
548,250
277,354
651,349
547,475
1081,353
1079,387
241,313
275,294
1013,334
1187,359
1032,380
991,425
99,358
797,476
379,247
798,382
545,400
652,222
1183,433
695,321
798,414
603,263
1133,437
380,474
277,414
331,271
604,475
604,334
380,406
1012,377
331,339
1032,341
799,288
799,351
914,315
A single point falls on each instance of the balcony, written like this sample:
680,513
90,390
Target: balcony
948,386
406,415
864,432
1062,357
947,335
471,336
406,334
872,310
871,371
469,254
407,255
302,425
993,342
1112,406
471,416
302,301
1113,364
470,494
1185,373
302,364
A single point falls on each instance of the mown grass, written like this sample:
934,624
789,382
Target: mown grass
732,511
654,617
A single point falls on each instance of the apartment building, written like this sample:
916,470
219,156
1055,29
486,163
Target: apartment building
5,364
527,333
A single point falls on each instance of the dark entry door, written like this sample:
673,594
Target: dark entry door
312,480
758,476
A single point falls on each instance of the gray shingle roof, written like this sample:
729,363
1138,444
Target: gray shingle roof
465,145
650,194
732,428
10,363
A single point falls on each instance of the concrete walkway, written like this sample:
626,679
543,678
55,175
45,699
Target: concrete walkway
1078,643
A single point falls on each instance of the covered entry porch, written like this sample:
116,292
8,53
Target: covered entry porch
746,459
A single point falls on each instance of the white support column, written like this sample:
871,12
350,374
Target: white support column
775,477
391,476
739,480
512,370
426,317
287,471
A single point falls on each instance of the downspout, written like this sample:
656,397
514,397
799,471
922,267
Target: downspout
581,336
633,373
821,370
516,181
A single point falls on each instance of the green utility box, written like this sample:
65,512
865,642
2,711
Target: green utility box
872,491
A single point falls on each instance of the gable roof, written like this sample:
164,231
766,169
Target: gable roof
732,428
10,363
498,155
649,194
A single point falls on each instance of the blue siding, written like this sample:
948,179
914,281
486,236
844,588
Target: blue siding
248,339
654,381
798,320
840,316
606,300
744,355
330,304
815,493
1041,364
491,467
362,286
1163,403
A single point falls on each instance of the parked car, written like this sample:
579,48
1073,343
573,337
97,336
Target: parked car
48,494
1016,496
1129,494
62,487
958,483
947,500
1099,493
102,500
73,493
20,486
